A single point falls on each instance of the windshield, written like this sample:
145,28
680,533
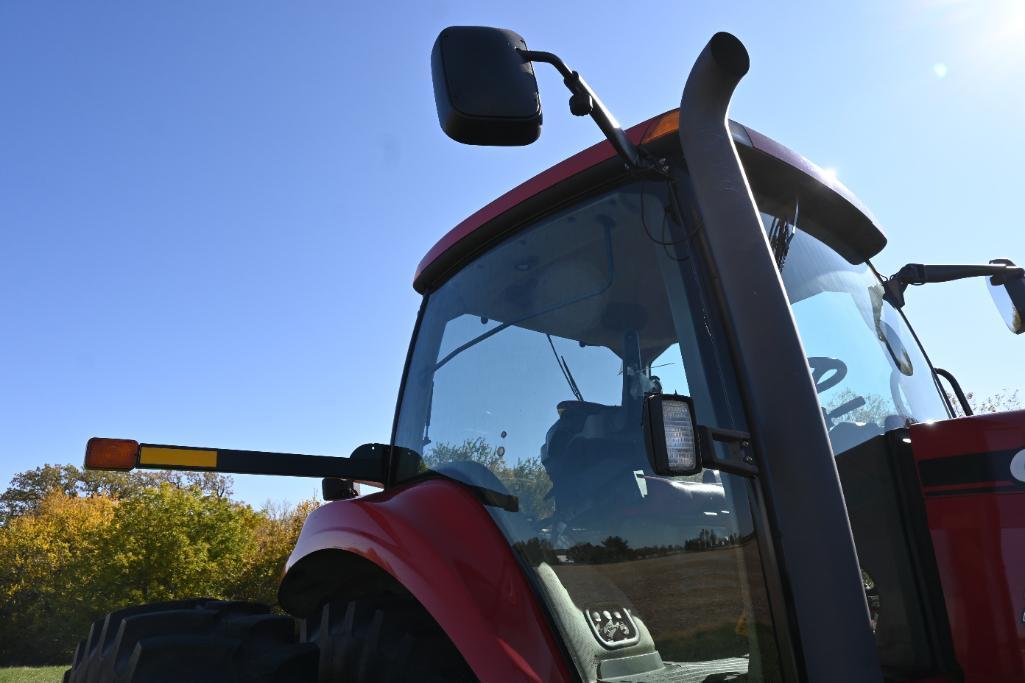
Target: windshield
870,372
526,379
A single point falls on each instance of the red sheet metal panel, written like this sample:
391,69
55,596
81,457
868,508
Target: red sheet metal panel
439,542
976,510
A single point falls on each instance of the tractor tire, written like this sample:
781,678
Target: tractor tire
381,640
194,640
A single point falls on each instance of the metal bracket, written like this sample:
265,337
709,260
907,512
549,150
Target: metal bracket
584,101
738,457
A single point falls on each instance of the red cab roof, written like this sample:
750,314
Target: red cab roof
596,154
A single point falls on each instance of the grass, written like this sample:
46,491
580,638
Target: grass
32,674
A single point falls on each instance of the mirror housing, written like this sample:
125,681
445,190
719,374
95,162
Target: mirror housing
1008,293
486,93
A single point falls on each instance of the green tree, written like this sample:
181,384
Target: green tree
167,543
28,489
273,537
1008,399
473,450
90,546
873,411
527,479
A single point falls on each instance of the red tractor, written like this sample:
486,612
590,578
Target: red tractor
661,420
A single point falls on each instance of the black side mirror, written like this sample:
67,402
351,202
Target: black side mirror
486,93
1008,292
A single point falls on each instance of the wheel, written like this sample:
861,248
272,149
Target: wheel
194,640
382,639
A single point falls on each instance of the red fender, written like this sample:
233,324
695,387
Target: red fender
437,540
972,472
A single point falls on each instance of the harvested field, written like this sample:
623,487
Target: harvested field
693,603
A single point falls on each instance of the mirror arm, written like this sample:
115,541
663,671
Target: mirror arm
584,101
920,274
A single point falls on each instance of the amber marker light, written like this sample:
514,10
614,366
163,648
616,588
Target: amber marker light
666,124
111,454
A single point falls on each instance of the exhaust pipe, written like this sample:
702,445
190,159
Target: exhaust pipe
822,591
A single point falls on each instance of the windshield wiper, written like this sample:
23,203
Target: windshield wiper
487,496
781,233
564,366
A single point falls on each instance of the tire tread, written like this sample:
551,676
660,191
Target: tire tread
195,640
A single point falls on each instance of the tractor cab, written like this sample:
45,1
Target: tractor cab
531,375
575,362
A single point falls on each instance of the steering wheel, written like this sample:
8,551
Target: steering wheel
827,372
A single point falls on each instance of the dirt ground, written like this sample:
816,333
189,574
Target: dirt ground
693,603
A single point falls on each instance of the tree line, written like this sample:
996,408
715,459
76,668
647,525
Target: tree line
76,544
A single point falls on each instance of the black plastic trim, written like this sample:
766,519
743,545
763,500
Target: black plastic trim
390,475
969,468
923,554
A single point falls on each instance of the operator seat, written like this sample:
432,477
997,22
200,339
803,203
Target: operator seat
590,454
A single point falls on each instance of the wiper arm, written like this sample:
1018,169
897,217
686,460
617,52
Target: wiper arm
564,366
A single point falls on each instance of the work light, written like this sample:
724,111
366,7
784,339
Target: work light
670,434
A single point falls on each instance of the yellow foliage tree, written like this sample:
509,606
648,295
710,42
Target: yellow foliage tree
44,558
68,559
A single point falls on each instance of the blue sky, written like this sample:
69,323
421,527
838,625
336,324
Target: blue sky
210,213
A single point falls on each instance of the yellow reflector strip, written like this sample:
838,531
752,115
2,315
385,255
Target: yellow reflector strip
177,457
669,123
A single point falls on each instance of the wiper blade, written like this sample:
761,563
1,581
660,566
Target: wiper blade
493,498
487,496
781,233
564,366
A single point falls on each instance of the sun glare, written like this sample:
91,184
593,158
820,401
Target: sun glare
988,34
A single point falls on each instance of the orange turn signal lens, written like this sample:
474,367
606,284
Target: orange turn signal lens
111,454
666,124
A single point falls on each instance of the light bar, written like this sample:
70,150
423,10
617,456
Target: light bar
368,463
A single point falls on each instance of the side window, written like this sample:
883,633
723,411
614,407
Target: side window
485,412
870,373
528,380
667,368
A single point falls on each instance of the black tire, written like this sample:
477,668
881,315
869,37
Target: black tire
194,640
380,640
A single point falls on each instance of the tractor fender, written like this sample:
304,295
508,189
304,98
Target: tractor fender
438,541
